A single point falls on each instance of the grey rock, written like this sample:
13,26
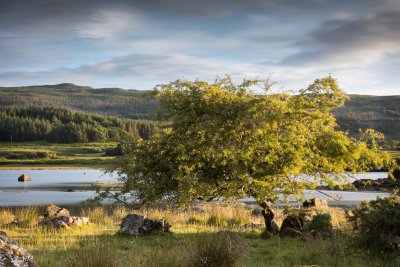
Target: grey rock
295,224
134,224
52,211
65,221
13,255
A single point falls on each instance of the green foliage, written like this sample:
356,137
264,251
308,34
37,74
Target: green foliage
379,112
221,139
321,224
134,104
27,154
63,126
377,223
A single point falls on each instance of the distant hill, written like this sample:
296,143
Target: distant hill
134,104
381,113
361,111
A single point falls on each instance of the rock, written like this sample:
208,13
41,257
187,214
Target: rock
65,221
134,224
52,211
315,202
13,255
256,212
294,224
378,184
24,178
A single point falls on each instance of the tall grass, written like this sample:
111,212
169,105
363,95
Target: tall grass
189,245
27,215
6,216
97,254
221,249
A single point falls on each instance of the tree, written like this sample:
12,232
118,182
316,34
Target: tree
223,140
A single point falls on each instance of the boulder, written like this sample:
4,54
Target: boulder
65,221
295,223
134,224
52,211
315,202
256,212
24,178
13,255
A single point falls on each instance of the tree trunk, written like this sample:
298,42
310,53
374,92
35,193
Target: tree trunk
271,227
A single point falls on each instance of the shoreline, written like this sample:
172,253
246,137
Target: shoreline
56,167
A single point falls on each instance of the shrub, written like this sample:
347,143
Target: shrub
321,224
221,249
377,223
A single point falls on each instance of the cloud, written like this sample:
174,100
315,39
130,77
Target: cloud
365,39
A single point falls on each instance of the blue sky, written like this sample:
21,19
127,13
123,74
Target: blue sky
139,44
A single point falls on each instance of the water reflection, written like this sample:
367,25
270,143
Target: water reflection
74,186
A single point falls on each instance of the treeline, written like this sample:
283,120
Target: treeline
64,126
133,104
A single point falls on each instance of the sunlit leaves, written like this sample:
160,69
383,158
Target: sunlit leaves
222,140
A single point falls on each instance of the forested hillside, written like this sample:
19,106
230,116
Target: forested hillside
134,104
64,126
379,112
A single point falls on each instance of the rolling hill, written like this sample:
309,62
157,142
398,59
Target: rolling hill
361,111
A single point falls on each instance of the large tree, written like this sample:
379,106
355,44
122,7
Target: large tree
223,140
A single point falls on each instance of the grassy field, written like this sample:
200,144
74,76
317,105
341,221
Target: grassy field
195,241
65,155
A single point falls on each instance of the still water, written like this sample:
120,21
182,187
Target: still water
74,186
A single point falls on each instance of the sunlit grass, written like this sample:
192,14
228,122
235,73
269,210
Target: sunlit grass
189,243
76,154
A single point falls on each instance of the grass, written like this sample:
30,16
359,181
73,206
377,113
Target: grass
189,244
86,154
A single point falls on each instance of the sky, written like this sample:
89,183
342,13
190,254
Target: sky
139,44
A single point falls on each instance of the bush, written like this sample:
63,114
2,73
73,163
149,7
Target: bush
221,249
321,225
395,173
377,223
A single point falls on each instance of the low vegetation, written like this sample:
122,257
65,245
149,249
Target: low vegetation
27,154
188,245
64,126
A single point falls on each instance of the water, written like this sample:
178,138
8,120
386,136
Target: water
50,186
73,186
